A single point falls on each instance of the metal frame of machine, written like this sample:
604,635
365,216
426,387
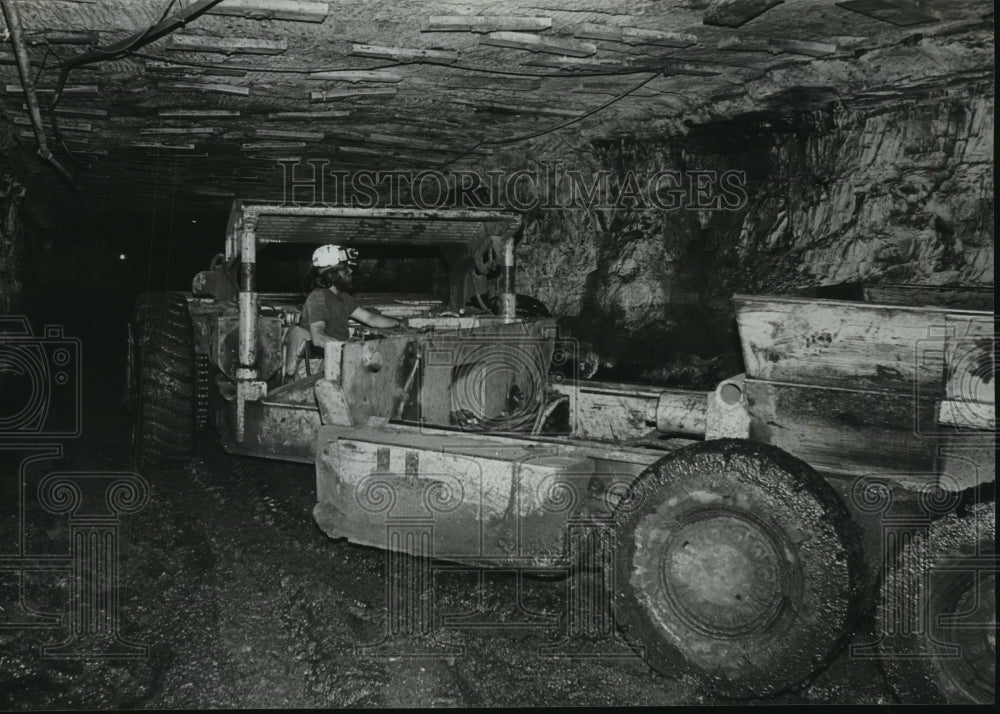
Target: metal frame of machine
432,441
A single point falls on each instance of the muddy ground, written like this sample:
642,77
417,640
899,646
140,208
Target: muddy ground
243,602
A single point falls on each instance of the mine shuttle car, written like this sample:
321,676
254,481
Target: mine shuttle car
742,532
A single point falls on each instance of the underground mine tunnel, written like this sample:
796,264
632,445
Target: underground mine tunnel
494,354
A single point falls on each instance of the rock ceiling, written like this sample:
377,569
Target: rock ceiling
202,113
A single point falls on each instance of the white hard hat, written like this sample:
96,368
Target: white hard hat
327,256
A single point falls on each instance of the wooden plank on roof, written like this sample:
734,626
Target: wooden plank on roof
76,136
402,53
225,72
580,63
334,95
64,124
225,45
259,145
486,23
688,69
357,76
70,90
746,44
179,130
537,43
289,134
77,111
157,145
803,47
238,90
635,35
296,10
310,116
198,113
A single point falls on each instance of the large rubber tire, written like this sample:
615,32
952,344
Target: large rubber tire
738,564
162,380
937,612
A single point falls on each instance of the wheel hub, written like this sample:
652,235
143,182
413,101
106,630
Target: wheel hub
723,573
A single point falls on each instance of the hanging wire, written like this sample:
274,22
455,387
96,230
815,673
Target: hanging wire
549,130
638,69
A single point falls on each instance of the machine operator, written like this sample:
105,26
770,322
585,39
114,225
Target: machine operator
329,304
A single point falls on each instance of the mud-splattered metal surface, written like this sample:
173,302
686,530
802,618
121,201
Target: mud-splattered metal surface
244,602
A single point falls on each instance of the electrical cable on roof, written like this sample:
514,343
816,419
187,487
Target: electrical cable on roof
390,65
557,127
154,32
41,66
16,32
574,120
262,70
143,36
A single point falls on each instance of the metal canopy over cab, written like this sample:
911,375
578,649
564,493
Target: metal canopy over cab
282,223
478,247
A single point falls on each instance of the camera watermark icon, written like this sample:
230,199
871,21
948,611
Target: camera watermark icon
93,503
40,379
18,563
961,352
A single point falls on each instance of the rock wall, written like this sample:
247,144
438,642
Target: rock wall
46,232
900,193
12,193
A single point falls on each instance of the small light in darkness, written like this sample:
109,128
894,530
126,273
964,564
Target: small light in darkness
121,256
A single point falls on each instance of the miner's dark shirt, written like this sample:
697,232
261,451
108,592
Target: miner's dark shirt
330,308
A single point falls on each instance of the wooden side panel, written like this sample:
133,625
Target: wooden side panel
843,344
845,431
956,298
